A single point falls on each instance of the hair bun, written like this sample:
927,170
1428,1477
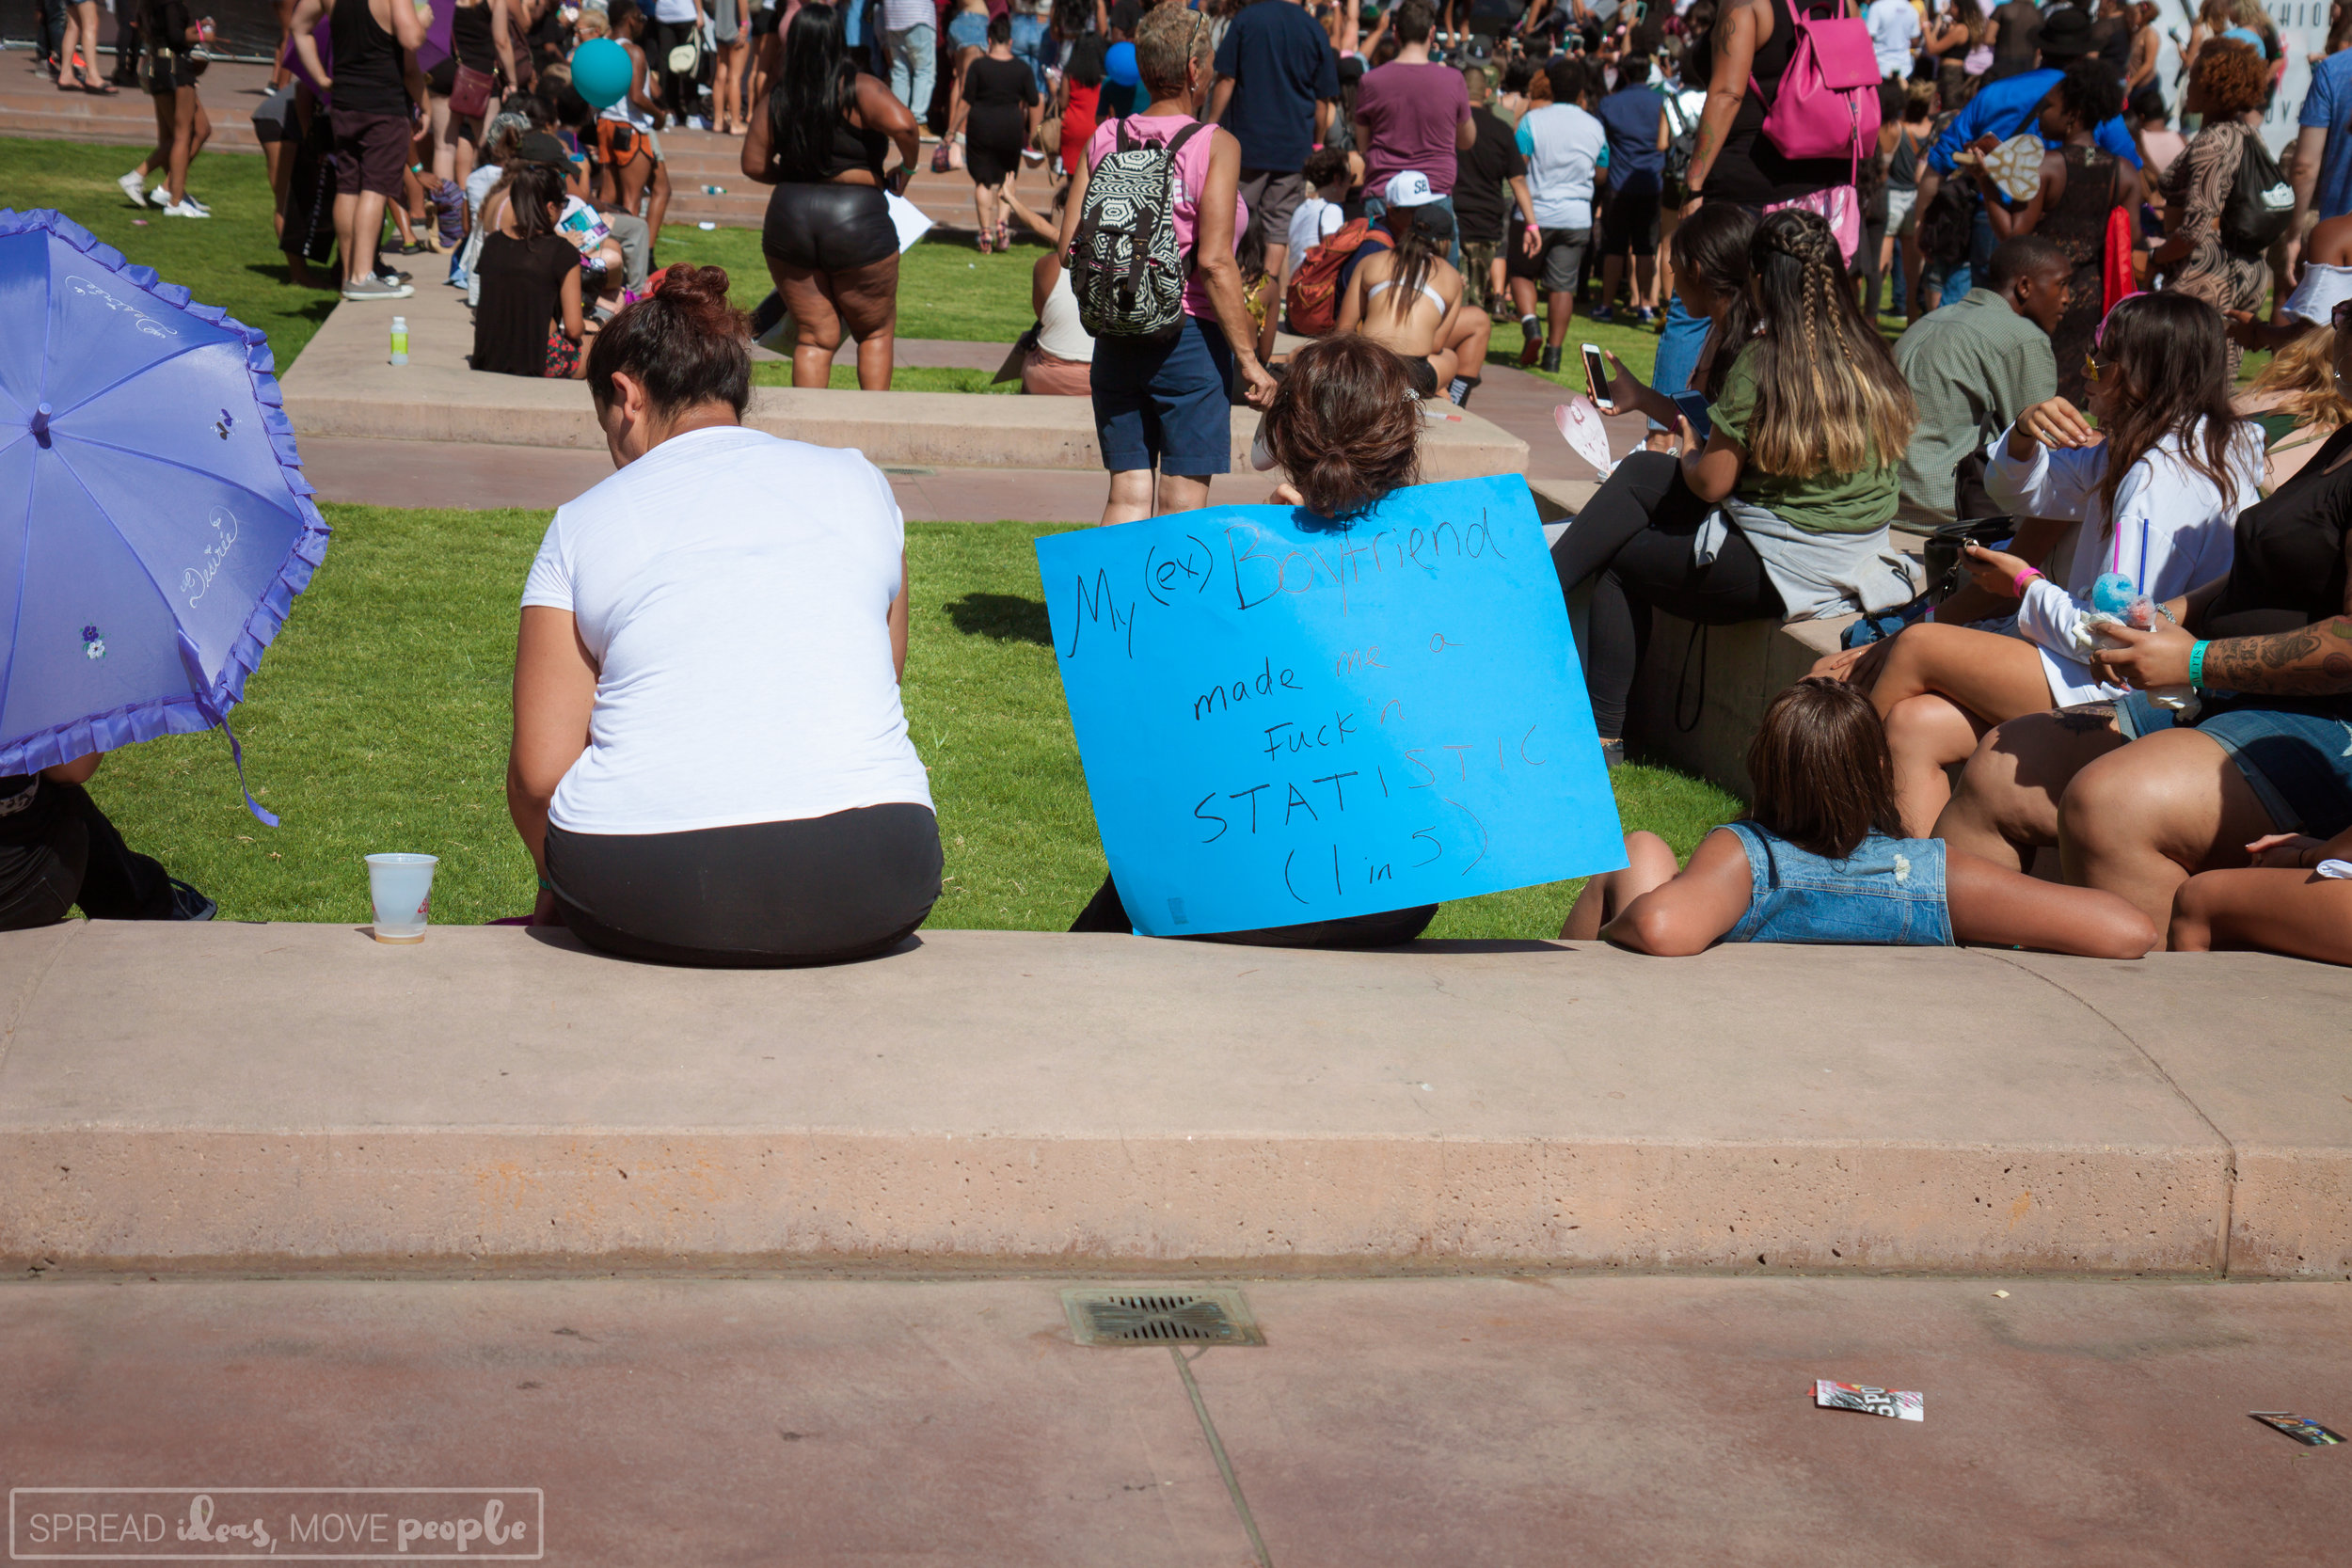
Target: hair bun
700,293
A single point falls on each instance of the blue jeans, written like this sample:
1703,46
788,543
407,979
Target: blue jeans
914,64
1678,349
1375,206
1889,893
1960,280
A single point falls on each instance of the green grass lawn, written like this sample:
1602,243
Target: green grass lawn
379,720
229,260
904,378
946,289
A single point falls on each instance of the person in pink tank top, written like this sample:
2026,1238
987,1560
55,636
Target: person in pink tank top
1163,406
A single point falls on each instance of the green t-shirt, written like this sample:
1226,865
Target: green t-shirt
1858,503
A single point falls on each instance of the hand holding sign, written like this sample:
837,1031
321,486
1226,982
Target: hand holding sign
1286,719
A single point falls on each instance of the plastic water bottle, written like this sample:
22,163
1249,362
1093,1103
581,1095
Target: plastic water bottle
400,339
714,190
2116,600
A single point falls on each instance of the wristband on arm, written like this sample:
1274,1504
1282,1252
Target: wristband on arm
2018,583
2196,664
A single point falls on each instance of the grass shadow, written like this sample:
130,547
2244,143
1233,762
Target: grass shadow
1002,617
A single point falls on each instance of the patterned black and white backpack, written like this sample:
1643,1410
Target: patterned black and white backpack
1125,265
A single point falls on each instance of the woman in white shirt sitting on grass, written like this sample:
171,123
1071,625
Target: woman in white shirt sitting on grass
711,765
2157,489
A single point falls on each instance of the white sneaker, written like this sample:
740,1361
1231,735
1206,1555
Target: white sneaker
183,209
202,210
134,186
376,288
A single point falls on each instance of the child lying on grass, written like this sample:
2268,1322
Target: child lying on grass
1821,858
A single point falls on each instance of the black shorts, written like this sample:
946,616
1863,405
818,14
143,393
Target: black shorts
1422,374
442,79
1630,224
830,226
763,896
371,151
764,21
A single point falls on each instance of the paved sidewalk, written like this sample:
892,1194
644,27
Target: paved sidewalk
1033,1100
1515,1423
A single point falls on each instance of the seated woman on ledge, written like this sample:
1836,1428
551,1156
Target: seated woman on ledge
2157,489
1344,426
1782,512
1822,859
711,765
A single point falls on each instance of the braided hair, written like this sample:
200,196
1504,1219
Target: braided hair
1828,397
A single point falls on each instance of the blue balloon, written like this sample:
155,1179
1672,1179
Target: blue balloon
1119,65
601,73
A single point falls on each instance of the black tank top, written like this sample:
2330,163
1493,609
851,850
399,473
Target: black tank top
848,148
367,61
2289,569
1750,170
470,38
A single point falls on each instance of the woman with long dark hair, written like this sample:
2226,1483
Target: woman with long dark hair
1081,77
530,321
829,240
1782,511
995,116
2158,499
710,764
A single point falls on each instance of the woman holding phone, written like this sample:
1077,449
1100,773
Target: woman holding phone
1781,511
2157,489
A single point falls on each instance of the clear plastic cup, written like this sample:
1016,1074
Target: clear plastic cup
400,888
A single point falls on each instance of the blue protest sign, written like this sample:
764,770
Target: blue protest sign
1286,719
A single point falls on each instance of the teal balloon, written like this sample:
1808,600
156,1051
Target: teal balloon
1119,65
601,73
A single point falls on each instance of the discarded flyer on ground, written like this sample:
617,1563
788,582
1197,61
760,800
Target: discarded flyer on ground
2301,1428
1901,1403
1286,719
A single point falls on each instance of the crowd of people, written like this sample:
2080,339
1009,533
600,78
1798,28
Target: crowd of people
2134,656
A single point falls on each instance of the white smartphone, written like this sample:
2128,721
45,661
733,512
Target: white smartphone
1596,377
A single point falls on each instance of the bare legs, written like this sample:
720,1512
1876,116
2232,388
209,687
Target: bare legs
2139,822
862,302
2277,912
359,224
190,129
984,206
1133,496
1938,688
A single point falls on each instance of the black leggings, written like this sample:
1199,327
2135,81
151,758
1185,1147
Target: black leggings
1107,913
763,896
62,851
1635,538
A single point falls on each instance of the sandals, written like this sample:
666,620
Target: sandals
984,246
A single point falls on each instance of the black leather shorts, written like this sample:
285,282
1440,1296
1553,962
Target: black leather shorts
828,228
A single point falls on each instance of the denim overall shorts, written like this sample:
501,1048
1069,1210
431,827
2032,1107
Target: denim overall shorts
1889,893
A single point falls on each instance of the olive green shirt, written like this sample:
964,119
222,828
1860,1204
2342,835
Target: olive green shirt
1859,503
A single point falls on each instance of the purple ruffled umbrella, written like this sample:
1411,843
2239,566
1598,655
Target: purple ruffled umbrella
154,524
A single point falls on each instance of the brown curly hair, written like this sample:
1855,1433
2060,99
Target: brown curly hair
2232,76
1343,425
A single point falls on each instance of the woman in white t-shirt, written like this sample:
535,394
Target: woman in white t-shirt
711,765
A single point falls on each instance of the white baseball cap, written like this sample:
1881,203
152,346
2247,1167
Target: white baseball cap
1409,189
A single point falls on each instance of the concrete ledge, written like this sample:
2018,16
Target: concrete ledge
289,1096
343,385
1702,691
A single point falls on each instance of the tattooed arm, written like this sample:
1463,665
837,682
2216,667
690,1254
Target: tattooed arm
2309,661
1735,57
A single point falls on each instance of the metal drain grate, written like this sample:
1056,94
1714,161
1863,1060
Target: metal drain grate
1214,1316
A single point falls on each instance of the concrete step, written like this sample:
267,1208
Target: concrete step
344,386
281,1097
1383,1424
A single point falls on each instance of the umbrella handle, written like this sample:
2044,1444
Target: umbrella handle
202,690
